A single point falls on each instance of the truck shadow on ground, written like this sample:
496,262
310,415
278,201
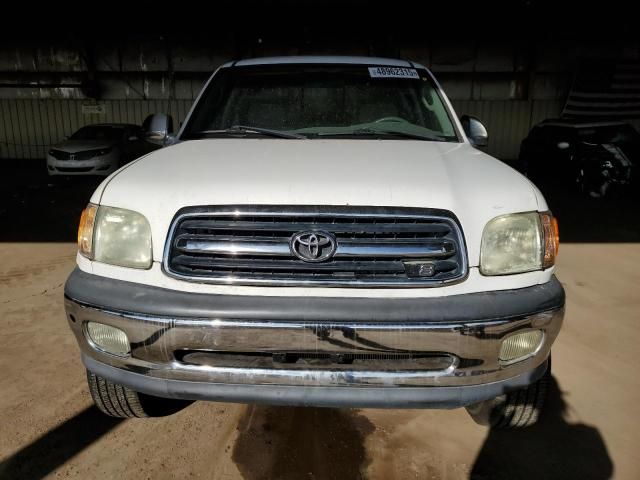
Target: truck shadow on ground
325,443
551,449
55,447
294,443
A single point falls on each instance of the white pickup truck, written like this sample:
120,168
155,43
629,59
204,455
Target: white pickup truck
321,231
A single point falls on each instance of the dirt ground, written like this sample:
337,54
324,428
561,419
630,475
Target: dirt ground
48,427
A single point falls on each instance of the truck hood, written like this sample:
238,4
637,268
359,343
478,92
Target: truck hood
403,173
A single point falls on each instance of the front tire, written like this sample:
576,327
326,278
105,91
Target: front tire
119,401
517,409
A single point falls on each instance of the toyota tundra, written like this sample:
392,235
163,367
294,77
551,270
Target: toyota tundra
321,231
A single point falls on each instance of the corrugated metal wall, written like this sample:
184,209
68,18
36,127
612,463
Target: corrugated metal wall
508,121
29,127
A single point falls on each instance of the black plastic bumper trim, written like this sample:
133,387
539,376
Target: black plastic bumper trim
118,295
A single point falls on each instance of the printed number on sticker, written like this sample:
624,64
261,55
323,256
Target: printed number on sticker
392,72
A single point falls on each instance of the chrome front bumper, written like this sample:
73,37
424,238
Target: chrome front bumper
202,356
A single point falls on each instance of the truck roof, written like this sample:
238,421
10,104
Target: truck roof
324,59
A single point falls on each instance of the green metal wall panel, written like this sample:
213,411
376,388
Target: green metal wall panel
508,121
29,126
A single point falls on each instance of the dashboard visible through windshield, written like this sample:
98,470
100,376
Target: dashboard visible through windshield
321,101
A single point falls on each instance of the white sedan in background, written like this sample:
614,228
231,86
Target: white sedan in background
97,150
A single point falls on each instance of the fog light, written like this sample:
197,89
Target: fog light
520,346
110,339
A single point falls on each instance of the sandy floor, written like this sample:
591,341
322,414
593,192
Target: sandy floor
591,428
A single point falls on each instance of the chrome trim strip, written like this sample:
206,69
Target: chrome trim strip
345,248
236,248
340,397
396,249
318,211
327,378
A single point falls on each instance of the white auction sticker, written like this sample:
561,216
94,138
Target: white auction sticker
392,72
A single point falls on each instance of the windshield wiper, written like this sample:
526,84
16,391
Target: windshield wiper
372,132
243,129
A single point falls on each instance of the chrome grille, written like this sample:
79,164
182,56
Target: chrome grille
83,155
375,246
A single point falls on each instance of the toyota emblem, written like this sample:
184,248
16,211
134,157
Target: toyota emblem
313,246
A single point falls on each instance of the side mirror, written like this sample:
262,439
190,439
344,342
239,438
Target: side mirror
157,128
563,145
474,129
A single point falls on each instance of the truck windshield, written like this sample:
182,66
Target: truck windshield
321,101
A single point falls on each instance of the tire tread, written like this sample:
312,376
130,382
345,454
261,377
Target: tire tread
113,399
516,409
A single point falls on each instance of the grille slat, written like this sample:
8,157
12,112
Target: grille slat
82,155
280,247
74,169
336,228
374,246
293,265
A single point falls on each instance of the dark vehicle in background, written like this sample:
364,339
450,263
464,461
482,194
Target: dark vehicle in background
596,156
98,150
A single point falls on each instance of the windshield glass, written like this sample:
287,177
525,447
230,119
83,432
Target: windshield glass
320,101
98,133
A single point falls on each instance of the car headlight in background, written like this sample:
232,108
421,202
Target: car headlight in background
518,243
115,236
104,151
57,154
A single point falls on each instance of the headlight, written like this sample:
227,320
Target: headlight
115,236
104,151
519,242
